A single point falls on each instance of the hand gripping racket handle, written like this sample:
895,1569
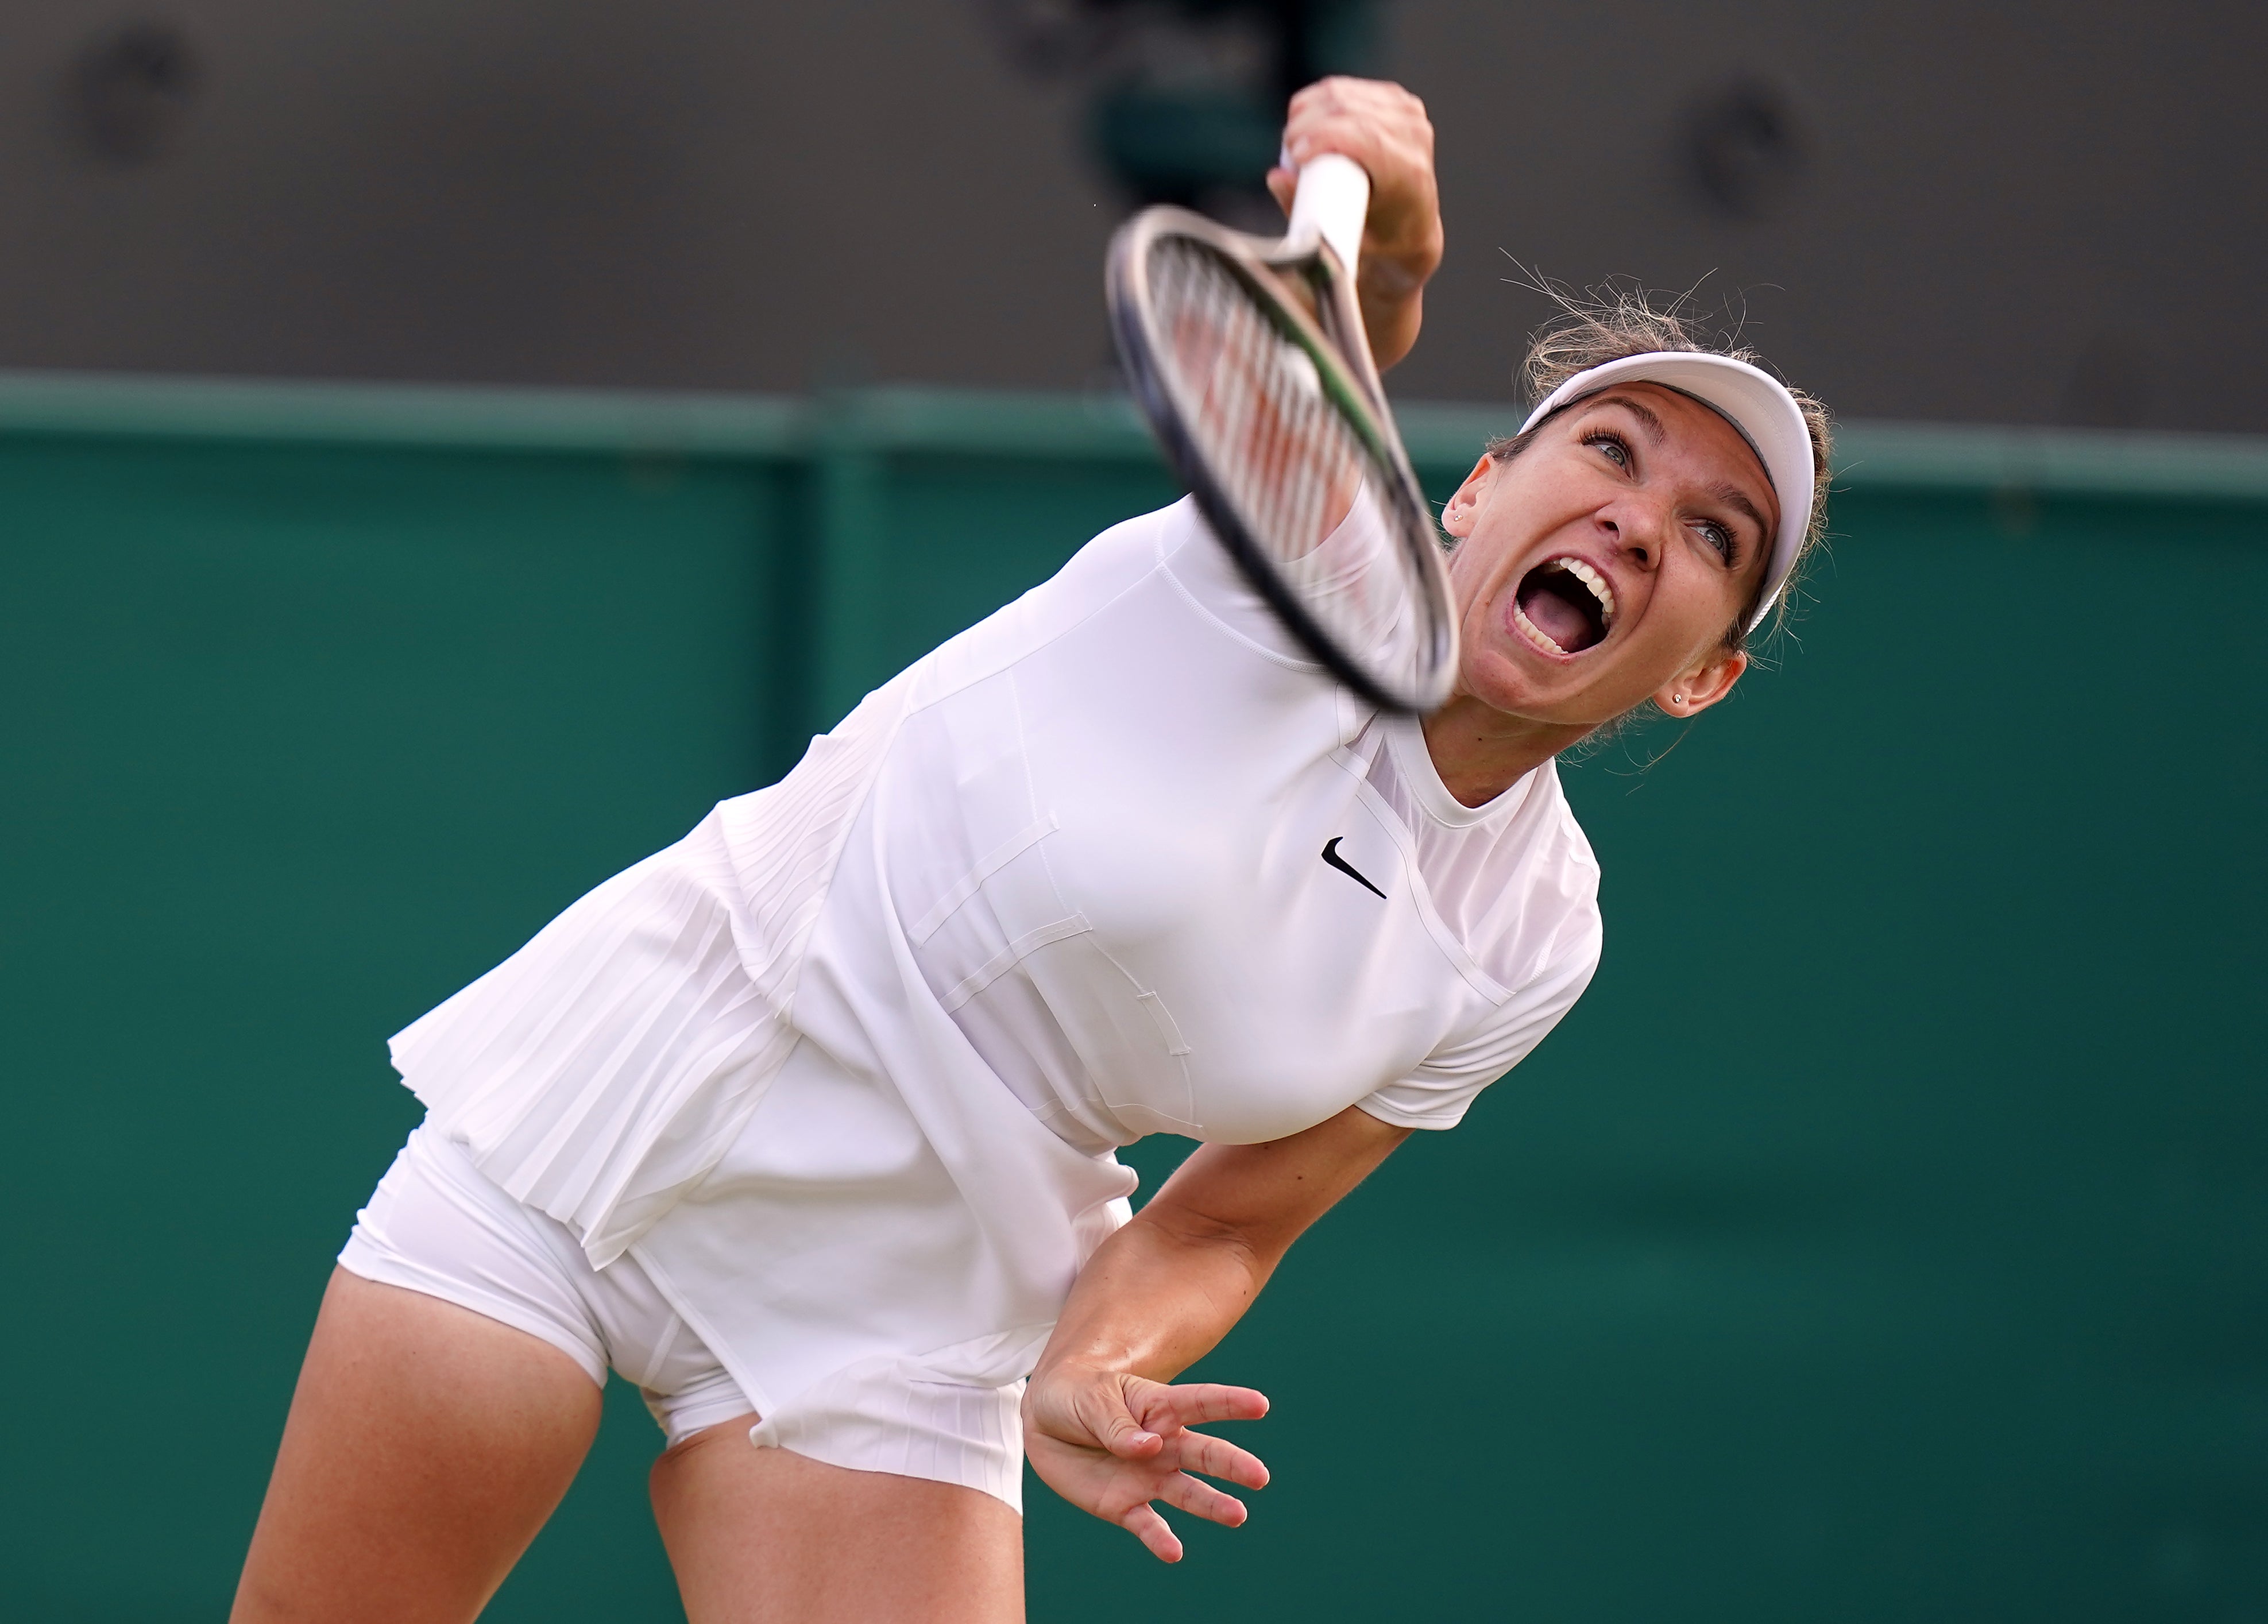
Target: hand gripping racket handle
1333,199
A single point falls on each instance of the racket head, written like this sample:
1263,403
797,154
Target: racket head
1282,436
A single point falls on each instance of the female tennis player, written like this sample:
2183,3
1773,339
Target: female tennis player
806,1125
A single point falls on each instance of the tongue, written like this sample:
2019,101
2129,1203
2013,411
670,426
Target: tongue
1557,619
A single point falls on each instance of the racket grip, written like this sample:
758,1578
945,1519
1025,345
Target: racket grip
1331,203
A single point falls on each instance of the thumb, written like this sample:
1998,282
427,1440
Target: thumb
1281,184
1119,1432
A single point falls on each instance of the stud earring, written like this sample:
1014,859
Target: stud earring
1677,698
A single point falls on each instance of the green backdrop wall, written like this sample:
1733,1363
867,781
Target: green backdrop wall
1884,1237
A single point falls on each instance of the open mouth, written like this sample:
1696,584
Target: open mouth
1563,606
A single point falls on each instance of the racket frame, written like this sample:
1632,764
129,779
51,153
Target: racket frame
1343,362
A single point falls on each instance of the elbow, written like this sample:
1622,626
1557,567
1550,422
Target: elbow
1191,1233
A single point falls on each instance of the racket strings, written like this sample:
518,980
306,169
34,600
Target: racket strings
1260,401
1306,483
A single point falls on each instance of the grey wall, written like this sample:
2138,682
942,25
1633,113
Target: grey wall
2023,212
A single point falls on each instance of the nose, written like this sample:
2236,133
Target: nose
1635,528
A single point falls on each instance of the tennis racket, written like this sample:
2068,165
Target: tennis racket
1250,360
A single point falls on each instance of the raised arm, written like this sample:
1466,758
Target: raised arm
1101,1425
1384,128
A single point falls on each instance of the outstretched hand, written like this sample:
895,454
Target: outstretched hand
1111,1443
1383,128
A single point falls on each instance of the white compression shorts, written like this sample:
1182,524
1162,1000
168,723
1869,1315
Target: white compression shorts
437,1224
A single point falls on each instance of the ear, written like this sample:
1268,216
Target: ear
1699,687
1464,506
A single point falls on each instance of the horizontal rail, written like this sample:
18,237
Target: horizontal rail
471,417
900,420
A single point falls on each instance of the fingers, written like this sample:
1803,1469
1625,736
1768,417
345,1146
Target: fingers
1200,1451
1152,1529
1129,1494
1119,1446
1161,1417
1186,1493
1102,1412
1200,1499
1132,1418
1158,1406
1377,124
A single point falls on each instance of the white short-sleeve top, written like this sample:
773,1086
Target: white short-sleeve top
1117,860
1166,880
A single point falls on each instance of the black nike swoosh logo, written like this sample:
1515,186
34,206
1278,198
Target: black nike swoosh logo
1331,856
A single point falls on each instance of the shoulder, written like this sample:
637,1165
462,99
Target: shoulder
1524,899
1159,583
1198,569
1528,913
1561,846
1128,551
1533,924
1562,876
1116,565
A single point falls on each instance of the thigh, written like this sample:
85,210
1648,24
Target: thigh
426,1445
764,1536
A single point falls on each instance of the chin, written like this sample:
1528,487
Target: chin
1509,691
1503,686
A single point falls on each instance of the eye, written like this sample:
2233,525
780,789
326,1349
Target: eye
1727,544
1617,448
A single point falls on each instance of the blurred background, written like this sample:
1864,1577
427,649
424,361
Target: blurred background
445,449
2017,213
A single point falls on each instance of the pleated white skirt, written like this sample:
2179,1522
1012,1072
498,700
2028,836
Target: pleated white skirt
602,1070
879,1280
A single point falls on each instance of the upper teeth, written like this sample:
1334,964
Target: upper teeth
1593,579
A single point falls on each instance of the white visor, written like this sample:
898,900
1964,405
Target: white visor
1756,403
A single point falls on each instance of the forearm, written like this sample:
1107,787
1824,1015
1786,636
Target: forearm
1385,129
1160,1294
1155,1298
1392,320
1103,1426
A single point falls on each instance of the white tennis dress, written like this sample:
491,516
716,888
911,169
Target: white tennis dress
844,1070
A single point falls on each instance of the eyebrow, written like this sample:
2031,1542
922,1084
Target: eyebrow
1639,409
1733,496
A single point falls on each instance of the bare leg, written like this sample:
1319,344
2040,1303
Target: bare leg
425,1447
762,1536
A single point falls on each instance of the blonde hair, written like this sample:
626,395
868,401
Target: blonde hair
1610,322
